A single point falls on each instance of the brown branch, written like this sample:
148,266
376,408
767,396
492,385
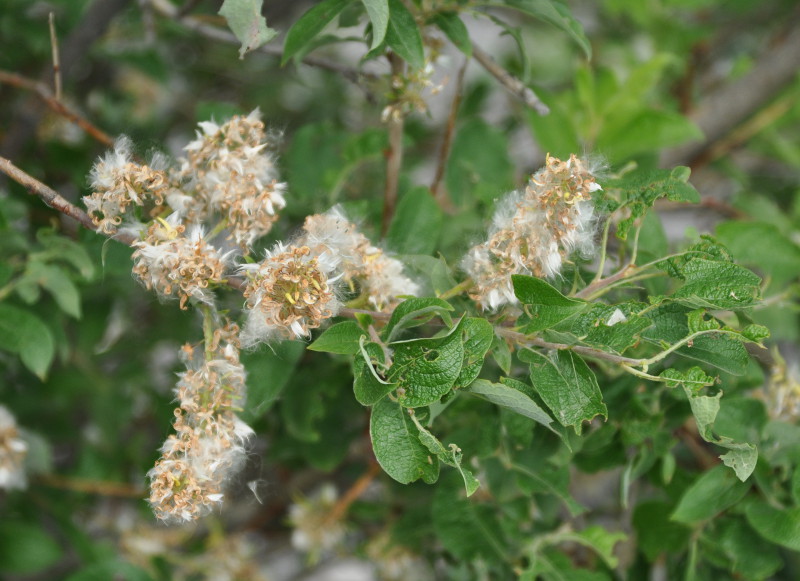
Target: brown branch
509,81
394,154
46,95
52,198
604,282
447,140
357,489
727,107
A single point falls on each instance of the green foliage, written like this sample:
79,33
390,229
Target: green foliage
644,383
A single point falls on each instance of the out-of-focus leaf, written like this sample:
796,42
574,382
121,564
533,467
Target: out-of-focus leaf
24,333
246,22
416,223
403,35
378,11
310,25
710,494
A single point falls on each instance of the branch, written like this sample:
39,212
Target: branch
52,198
724,109
509,81
46,95
394,154
523,339
447,140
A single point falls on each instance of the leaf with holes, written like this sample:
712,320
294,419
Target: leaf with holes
426,369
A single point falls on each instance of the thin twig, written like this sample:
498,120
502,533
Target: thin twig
56,58
46,95
523,339
509,81
50,197
447,139
604,282
394,153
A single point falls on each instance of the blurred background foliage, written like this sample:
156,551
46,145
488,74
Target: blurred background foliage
90,378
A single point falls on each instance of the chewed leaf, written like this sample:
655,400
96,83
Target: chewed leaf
246,22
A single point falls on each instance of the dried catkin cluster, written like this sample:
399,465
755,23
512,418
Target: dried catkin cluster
172,263
228,172
207,448
193,219
227,186
379,277
119,183
13,450
288,294
534,231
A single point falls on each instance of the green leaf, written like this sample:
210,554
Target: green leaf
643,187
451,24
544,306
395,440
310,25
65,250
414,312
466,528
670,325
403,35
342,338
416,223
695,378
56,282
367,386
426,369
245,21
712,284
750,556
268,372
553,12
567,386
645,132
25,334
477,337
742,457
655,533
479,167
762,246
26,548
450,456
710,494
378,11
511,399
781,527
596,538
613,328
